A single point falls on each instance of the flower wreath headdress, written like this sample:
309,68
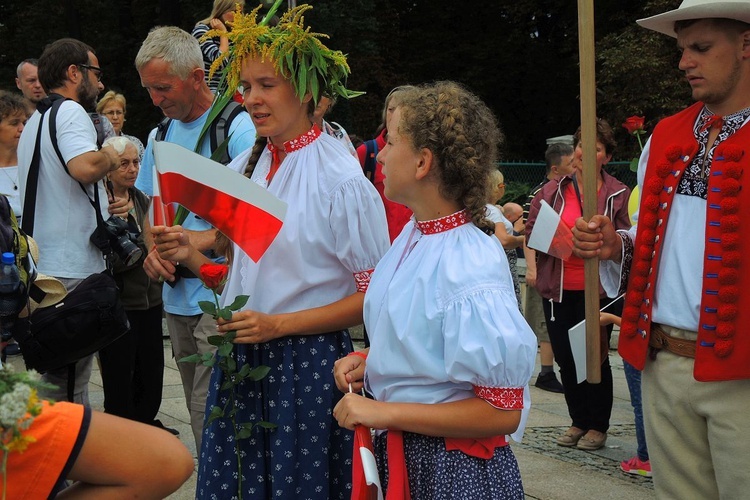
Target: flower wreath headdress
296,52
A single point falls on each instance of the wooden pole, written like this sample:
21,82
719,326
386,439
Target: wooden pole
588,136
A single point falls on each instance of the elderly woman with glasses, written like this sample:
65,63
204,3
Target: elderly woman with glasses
133,366
113,106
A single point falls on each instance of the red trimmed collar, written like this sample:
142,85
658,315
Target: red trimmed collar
298,142
443,224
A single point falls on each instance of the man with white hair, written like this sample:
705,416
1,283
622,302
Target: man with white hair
170,64
687,305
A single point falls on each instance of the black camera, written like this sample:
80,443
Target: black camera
115,235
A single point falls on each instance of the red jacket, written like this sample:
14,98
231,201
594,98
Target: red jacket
723,345
396,214
612,201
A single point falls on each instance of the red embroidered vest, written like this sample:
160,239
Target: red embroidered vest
723,346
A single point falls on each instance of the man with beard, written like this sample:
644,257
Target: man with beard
27,81
64,219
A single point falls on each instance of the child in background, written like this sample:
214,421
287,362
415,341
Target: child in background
639,464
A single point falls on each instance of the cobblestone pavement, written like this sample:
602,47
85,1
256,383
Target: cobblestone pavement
549,471
541,440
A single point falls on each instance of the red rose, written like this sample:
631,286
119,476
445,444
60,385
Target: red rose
213,275
634,124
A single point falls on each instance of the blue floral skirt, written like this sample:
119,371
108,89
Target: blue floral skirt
307,455
438,474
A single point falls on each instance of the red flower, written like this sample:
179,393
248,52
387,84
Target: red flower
213,275
634,123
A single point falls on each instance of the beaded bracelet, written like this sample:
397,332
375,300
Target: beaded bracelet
361,354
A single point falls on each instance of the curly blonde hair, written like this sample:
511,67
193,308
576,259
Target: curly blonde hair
464,137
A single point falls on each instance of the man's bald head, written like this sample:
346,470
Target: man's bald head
512,211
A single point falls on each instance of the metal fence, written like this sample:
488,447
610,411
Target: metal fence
521,177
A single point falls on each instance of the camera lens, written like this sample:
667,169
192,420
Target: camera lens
127,250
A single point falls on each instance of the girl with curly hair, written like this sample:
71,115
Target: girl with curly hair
450,355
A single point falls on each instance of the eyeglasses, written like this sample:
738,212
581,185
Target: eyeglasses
114,112
99,72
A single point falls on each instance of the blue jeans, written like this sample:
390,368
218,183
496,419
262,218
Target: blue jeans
633,378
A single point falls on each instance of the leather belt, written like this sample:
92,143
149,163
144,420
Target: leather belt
659,340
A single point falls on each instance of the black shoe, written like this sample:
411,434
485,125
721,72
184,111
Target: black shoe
548,382
12,349
157,423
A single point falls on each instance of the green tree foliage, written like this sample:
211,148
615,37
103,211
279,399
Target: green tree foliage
638,75
520,56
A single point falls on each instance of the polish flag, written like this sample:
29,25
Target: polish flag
245,212
159,214
550,235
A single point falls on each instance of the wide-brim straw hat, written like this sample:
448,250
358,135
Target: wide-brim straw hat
44,290
697,9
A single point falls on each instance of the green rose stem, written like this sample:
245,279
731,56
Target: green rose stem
224,360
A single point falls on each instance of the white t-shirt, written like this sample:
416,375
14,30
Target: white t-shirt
64,218
9,187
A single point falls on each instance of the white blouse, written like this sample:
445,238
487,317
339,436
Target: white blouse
333,234
443,320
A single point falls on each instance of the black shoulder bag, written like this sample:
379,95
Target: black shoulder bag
90,317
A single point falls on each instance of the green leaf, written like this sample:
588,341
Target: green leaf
228,383
271,13
231,365
210,362
225,313
221,148
244,433
634,165
180,215
193,358
266,425
230,335
239,302
207,307
244,371
220,101
258,372
225,349
216,340
216,412
207,355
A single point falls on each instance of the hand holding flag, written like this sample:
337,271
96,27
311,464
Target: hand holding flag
550,234
245,212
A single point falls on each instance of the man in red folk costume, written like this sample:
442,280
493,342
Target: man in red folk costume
688,292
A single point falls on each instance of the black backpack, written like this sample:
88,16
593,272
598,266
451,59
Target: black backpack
217,132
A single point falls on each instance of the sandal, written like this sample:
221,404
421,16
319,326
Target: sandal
571,437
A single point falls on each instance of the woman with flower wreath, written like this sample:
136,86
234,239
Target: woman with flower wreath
309,285
451,355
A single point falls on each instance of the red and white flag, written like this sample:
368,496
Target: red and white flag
159,214
550,235
246,213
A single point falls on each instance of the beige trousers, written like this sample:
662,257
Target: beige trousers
698,433
189,335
